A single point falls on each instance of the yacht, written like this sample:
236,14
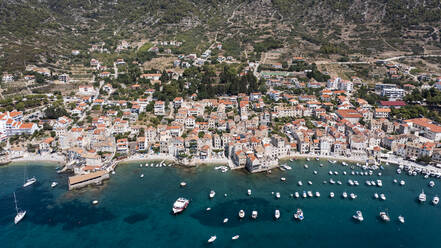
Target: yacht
183,184
358,216
382,197
254,214
235,237
20,213
384,216
225,220
331,195
277,214
300,183
277,195
180,205
310,193
344,195
299,214
212,239
317,194
422,197
402,182
435,200
296,194
249,192
212,194
432,184
401,219
379,183
241,214
54,184
353,196
376,196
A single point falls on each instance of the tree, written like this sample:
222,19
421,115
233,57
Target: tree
53,112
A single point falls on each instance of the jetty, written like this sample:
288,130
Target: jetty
80,181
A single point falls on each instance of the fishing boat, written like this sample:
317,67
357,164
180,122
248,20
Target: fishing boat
331,195
249,192
344,195
212,239
358,216
276,214
225,220
20,213
296,194
435,200
384,216
183,184
180,205
212,194
241,214
382,197
254,214
277,195
235,237
432,184
54,184
422,197
401,219
299,214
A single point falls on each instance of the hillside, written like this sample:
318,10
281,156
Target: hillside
42,30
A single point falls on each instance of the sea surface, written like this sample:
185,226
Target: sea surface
135,212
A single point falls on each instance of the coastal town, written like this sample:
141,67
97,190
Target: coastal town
211,108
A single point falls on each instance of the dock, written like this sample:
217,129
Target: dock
80,181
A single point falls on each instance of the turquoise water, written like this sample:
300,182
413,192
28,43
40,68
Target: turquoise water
135,212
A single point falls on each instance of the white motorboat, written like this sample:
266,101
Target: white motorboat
141,176
422,197
20,213
331,195
344,163
350,182
356,183
282,179
331,181
296,194
382,197
401,219
299,214
379,183
306,166
317,194
54,184
398,171
95,202
29,182
140,165
317,158
402,182
304,195
308,159
315,172
435,200
376,195
235,237
395,181
344,195
241,214
183,184
335,172
180,205
212,194
384,216
310,193
287,167
300,183
309,182
432,184
212,239
353,196
208,209
373,183
368,183
249,192
276,214
358,216
330,173
225,220
277,195
344,173
254,214
339,182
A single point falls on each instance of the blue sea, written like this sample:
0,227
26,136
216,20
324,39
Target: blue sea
135,212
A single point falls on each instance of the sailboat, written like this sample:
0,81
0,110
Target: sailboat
28,181
20,213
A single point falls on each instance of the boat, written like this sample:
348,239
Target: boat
376,196
249,192
335,172
315,172
142,175
296,194
395,181
358,216
330,173
317,158
398,171
422,197
225,220
339,182
212,239
344,173
29,182
331,181
432,184
140,165
353,196
304,195
350,182
300,183
435,200
379,183
235,237
356,183
183,184
344,195
382,197
277,195
306,166
254,214
308,159
331,195
95,202
20,213
208,209
401,219
276,214
299,214
212,194
317,194
241,214
180,205
309,182
282,179
402,182
384,216
310,193
287,167
53,184
368,183
344,163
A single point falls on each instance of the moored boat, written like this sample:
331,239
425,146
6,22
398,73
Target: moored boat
401,219
235,237
254,214
20,213
422,197
276,214
358,216
212,194
54,184
384,216
299,214
241,214
331,195
435,200
212,239
180,205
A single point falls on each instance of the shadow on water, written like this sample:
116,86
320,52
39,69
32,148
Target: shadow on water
42,209
230,210
136,217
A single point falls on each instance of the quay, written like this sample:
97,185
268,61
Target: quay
80,181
